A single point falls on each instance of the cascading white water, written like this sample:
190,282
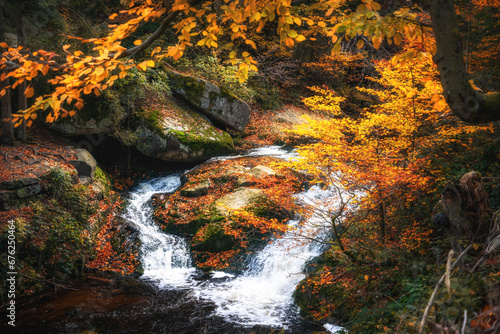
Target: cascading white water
263,294
164,257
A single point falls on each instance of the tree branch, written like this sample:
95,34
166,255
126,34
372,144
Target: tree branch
436,289
465,102
165,24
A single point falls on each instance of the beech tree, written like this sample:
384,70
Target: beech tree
201,23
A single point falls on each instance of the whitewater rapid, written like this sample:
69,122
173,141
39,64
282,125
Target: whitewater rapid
263,295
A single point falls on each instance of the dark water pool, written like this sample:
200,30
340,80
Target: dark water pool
135,307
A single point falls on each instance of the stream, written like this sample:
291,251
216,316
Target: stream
173,296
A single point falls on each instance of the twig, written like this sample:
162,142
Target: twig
434,293
46,154
6,156
465,322
45,281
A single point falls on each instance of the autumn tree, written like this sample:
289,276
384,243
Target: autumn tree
380,159
202,23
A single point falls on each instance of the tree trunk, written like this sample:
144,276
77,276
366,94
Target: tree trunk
5,106
465,102
22,102
465,205
382,221
7,127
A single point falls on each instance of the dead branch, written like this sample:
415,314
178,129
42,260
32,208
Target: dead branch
438,284
102,280
46,281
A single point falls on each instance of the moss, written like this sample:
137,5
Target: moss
266,208
193,87
152,119
204,141
225,93
214,240
212,95
491,104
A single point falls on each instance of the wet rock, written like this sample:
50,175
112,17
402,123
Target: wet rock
197,190
239,199
19,183
29,191
215,240
214,101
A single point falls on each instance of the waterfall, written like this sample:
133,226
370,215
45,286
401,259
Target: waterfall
164,257
260,296
263,295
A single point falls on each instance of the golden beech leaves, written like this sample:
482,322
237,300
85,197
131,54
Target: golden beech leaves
77,74
383,150
29,91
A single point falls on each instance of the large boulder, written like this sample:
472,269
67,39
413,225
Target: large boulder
216,102
239,199
98,116
12,191
84,163
181,135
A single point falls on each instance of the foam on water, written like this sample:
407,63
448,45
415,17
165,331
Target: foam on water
263,294
164,257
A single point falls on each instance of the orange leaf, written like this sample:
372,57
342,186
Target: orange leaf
79,105
45,69
29,91
440,105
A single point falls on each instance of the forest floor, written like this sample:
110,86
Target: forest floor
43,151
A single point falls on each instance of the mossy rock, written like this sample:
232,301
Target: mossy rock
99,115
196,190
214,240
180,135
216,102
239,199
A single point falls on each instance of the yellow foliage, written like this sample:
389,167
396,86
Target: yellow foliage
83,74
